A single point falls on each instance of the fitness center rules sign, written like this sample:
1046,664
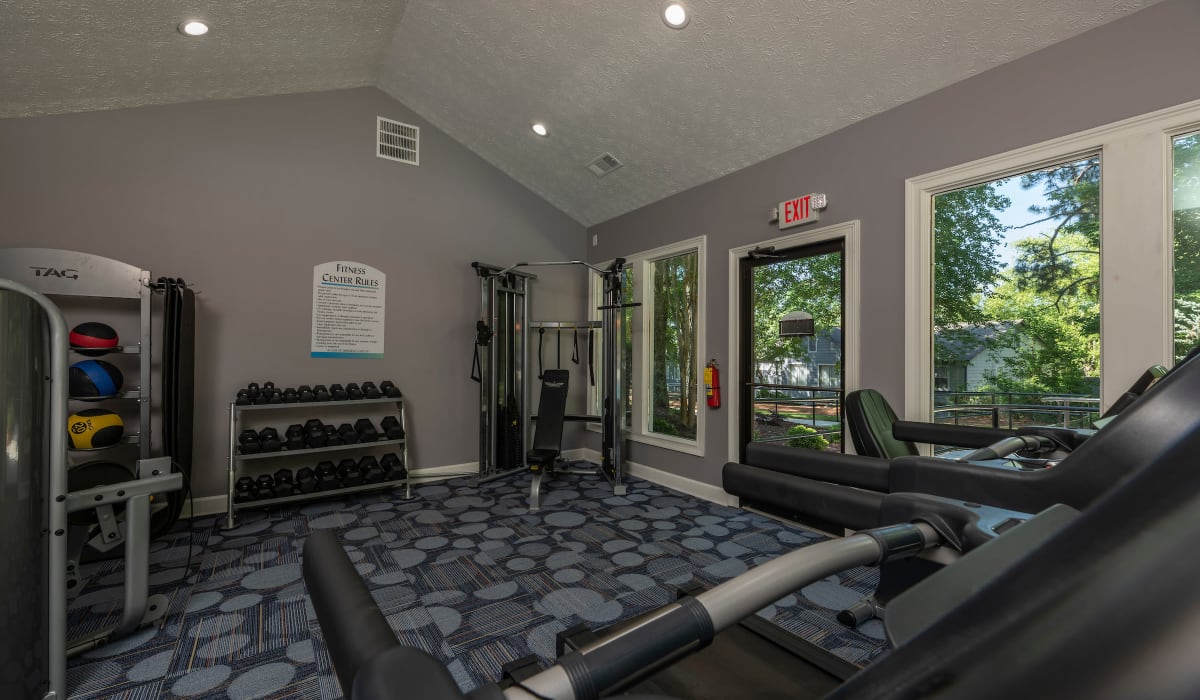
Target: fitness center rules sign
348,310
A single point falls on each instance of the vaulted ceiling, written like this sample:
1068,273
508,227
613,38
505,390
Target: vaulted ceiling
744,80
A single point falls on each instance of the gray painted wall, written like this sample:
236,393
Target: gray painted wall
1138,64
242,197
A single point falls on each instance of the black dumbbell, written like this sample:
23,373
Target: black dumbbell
389,389
261,399
391,428
252,390
327,476
306,480
268,386
290,395
393,467
371,391
372,472
248,442
320,393
350,472
243,398
314,436
284,483
294,437
338,392
266,486
366,430
353,392
245,490
332,439
305,394
348,435
274,396
268,438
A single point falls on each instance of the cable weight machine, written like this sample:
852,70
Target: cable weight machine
501,366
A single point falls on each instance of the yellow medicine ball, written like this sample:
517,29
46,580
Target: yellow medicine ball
95,427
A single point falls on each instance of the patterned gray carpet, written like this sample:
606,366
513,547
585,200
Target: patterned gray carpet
468,574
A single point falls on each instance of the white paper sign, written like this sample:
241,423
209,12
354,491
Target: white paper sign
348,310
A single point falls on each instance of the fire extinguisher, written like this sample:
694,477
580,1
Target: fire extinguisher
712,384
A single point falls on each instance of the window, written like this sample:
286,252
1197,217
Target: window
664,353
1016,297
1143,260
673,360
1185,224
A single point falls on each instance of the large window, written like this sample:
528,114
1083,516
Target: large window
663,347
673,299
1016,298
1008,261
1185,223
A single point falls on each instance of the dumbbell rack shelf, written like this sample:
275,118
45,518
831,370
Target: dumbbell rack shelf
315,450
235,459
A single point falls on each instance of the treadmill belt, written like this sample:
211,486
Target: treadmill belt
741,664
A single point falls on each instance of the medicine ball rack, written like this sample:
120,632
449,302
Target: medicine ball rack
110,515
65,273
237,462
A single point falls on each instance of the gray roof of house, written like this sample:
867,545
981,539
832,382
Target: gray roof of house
965,341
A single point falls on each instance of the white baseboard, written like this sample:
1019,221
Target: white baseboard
205,505
699,489
445,471
219,504
216,505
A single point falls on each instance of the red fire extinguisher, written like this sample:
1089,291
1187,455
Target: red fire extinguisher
712,384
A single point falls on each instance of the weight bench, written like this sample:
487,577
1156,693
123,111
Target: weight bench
547,433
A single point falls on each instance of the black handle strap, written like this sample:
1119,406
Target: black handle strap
575,345
476,371
591,360
541,336
558,347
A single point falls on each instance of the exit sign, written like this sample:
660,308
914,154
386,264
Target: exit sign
801,210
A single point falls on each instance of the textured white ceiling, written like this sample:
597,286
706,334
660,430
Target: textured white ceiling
79,55
745,81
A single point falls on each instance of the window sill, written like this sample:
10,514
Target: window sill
691,447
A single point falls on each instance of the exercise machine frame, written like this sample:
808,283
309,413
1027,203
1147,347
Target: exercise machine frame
39,273
503,361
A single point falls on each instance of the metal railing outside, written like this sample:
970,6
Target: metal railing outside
819,408
1015,409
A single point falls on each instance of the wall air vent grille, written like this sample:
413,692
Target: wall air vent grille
604,164
398,141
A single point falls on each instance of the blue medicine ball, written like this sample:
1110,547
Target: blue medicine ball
95,379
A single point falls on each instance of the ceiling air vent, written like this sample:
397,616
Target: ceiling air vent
398,141
604,164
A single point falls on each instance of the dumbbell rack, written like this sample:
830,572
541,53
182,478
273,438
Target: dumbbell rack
236,461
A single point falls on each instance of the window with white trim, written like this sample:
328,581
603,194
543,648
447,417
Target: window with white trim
1147,253
664,347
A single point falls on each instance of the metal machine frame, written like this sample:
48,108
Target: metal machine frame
504,292
41,273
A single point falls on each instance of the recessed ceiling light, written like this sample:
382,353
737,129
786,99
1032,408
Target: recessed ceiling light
539,129
675,15
193,27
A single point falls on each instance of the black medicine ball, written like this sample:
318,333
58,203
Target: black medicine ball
94,379
93,338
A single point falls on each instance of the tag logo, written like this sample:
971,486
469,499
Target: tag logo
65,273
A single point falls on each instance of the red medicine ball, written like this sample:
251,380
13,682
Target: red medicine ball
92,336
